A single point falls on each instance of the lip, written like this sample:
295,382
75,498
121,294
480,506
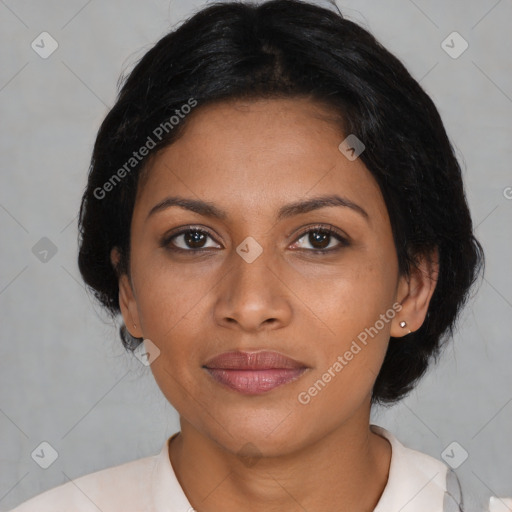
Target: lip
254,373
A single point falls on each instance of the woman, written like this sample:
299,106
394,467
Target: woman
275,209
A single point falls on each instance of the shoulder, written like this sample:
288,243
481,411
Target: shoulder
417,481
115,489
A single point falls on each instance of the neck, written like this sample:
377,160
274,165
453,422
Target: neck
347,469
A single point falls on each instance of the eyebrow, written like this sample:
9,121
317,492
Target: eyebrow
208,209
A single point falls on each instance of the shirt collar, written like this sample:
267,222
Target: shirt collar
416,481
168,496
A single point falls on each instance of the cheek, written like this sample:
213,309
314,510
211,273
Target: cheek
172,308
174,321
170,296
353,297
349,361
357,312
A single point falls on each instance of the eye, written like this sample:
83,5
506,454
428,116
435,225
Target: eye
188,240
193,239
320,238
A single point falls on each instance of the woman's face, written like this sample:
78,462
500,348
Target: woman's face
257,280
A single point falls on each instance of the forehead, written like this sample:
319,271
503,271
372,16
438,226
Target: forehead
254,156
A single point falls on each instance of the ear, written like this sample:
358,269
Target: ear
127,301
415,292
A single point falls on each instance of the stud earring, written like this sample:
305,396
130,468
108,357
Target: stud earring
403,324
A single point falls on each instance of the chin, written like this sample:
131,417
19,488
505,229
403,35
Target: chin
268,433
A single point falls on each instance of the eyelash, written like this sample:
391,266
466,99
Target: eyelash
327,231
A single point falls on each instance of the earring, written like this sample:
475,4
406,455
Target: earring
403,324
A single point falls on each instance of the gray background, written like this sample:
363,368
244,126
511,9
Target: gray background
64,376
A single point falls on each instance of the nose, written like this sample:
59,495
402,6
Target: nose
253,295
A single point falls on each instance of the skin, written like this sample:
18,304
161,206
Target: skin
249,159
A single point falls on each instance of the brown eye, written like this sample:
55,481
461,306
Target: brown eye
321,239
194,239
190,239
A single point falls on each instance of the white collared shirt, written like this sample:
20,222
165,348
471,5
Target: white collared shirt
417,482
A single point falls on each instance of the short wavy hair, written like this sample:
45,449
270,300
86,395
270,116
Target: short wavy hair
292,49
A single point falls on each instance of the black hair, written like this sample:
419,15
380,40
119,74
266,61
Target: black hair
292,49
